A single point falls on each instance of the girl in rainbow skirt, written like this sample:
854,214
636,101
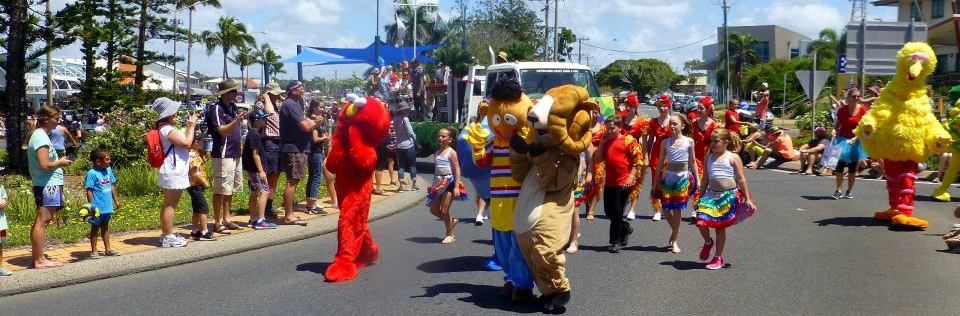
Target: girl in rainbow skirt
678,178
724,196
446,185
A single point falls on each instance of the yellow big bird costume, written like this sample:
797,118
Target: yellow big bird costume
901,129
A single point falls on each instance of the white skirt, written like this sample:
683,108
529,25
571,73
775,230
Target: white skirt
173,181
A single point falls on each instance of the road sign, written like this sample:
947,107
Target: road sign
842,64
820,78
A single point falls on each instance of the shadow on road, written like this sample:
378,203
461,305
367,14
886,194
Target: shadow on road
817,197
627,248
455,264
684,265
483,296
927,198
483,241
850,221
425,240
315,267
137,241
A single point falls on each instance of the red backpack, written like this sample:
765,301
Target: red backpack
155,153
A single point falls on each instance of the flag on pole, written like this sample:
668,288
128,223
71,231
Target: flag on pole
440,25
401,30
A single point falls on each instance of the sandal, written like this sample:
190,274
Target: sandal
294,221
448,240
379,192
233,226
222,230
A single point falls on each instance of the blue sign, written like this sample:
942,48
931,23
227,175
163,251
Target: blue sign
842,64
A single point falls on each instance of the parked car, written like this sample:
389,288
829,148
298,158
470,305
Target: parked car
750,108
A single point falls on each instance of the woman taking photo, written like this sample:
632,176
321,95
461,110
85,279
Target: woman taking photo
46,173
173,175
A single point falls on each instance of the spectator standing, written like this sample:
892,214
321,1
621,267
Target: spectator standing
224,122
762,96
173,175
731,120
296,134
58,136
270,155
199,184
406,146
418,83
257,177
46,173
318,141
851,150
102,195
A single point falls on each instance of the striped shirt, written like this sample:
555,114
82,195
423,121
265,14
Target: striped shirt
503,189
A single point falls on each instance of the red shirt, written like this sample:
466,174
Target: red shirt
729,121
701,139
846,122
621,155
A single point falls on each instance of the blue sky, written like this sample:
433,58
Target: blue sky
670,30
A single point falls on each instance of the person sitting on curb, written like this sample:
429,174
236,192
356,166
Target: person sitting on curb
779,146
811,151
753,144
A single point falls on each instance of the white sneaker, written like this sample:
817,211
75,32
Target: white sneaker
174,241
656,216
693,214
675,247
478,221
631,216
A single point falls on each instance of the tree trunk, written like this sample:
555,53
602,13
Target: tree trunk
89,51
225,51
16,88
111,49
141,42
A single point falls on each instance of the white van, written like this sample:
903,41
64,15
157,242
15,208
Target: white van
537,78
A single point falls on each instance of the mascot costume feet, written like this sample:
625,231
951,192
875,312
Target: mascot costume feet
362,124
900,128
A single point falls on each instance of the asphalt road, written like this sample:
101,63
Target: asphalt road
802,254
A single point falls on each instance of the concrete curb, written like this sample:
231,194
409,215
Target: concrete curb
91,270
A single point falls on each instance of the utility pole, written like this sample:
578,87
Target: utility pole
580,49
556,22
726,51
546,30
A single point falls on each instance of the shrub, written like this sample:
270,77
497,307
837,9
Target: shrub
806,121
124,139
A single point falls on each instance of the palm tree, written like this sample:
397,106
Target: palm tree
742,55
519,50
267,55
244,57
826,45
458,60
427,28
230,33
192,5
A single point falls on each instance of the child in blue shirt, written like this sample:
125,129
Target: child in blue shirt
101,194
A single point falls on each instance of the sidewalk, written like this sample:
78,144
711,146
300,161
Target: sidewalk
141,252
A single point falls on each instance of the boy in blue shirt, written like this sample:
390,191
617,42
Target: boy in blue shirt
101,194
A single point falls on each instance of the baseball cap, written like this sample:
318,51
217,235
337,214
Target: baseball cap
293,84
258,114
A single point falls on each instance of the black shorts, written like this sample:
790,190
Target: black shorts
198,200
383,157
850,166
270,156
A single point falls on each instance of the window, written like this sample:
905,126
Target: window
915,13
937,9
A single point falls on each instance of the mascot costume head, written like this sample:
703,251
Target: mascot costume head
900,128
549,167
363,123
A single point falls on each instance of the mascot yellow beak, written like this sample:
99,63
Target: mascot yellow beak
356,103
915,69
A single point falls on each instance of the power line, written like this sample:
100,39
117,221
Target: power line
652,51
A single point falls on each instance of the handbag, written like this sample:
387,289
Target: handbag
831,154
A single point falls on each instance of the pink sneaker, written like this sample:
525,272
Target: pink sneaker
705,251
715,264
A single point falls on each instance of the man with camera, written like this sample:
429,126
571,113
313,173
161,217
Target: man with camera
763,101
223,122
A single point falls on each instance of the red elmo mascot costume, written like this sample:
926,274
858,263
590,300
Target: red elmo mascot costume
363,123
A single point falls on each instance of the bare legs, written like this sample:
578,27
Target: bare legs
441,209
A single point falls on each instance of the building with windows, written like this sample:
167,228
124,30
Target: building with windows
943,31
772,42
